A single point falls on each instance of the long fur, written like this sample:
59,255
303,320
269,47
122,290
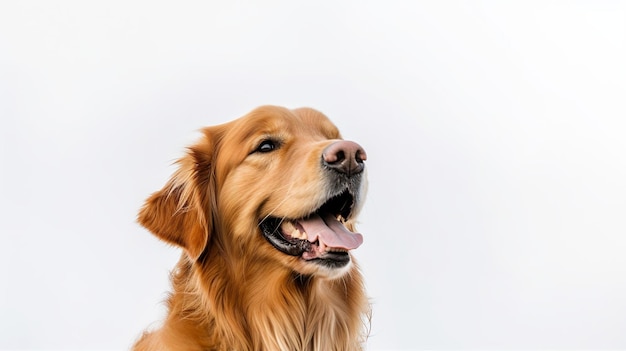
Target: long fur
232,290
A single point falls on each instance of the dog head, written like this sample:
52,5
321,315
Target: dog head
277,184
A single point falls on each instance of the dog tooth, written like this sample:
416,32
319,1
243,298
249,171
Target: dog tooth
287,226
297,234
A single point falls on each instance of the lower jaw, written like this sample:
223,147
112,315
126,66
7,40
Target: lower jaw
330,263
331,256
304,249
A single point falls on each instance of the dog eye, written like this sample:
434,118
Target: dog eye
267,146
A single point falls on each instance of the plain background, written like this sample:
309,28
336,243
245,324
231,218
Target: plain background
495,132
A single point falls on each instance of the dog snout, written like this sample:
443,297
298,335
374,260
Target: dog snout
345,157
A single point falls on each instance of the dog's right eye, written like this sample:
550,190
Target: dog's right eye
267,146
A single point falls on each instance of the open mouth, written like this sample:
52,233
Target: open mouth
320,237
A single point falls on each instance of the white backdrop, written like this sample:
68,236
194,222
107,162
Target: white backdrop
495,133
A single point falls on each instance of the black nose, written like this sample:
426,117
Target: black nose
344,157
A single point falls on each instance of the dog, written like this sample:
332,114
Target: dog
264,208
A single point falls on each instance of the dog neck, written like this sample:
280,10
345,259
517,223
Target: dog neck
265,310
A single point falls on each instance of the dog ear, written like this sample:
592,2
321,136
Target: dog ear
180,213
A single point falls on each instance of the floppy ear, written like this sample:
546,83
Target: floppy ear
180,213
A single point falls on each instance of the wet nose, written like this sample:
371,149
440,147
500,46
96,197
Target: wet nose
344,157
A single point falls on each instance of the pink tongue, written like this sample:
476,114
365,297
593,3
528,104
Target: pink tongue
330,232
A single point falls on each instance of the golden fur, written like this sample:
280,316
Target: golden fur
232,290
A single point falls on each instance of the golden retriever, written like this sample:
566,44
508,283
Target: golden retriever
264,208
